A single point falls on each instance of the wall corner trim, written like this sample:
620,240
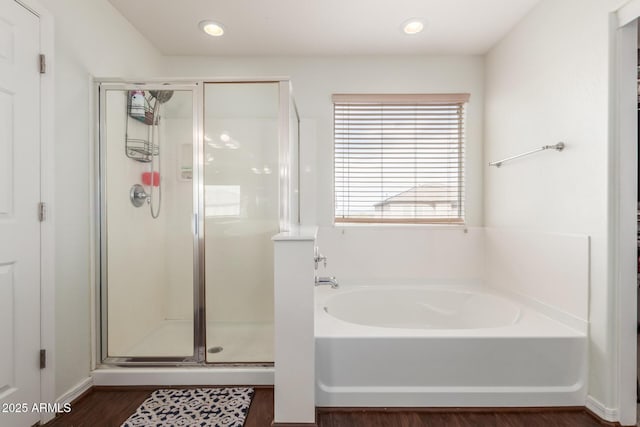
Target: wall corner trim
628,12
76,391
599,409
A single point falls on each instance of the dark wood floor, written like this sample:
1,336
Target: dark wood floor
110,407
458,419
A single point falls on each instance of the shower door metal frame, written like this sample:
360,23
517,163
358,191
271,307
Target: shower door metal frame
285,196
101,242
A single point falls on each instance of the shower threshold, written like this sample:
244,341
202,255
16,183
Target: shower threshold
182,376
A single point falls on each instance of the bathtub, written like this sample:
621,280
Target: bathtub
454,345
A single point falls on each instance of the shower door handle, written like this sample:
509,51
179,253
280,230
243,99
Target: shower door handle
195,224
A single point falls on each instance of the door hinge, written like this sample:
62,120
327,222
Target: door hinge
42,211
43,64
43,358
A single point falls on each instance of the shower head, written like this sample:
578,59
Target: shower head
161,96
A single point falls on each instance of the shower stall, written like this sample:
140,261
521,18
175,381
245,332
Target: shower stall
194,178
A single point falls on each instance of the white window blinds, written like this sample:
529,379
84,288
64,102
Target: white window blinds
399,158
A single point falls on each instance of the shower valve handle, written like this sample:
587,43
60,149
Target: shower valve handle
319,257
138,196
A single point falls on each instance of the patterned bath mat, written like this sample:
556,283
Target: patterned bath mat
202,407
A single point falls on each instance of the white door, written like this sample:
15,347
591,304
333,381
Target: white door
19,223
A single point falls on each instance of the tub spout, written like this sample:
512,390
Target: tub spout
332,281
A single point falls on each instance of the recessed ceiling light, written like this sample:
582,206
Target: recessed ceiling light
212,28
413,26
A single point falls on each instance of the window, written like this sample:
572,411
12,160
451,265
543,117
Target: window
399,158
222,201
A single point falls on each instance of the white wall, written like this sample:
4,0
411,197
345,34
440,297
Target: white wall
314,79
90,38
548,81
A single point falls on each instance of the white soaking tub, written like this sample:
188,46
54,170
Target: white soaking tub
442,346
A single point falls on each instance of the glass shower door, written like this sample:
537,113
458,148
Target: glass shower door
241,214
147,239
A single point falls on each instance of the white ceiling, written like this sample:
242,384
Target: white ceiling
323,27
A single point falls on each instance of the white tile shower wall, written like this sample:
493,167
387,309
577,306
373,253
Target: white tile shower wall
238,247
402,253
308,172
238,290
294,156
548,268
177,200
135,242
248,297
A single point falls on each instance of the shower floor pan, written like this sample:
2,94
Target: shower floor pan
229,342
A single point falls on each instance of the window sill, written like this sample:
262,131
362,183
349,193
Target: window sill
380,225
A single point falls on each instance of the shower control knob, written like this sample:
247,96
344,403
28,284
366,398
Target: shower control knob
319,257
138,196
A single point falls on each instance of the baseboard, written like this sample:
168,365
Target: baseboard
75,392
274,424
449,409
313,424
598,409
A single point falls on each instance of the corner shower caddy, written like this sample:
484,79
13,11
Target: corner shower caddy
139,149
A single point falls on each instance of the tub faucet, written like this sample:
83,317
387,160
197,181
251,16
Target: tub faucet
332,281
